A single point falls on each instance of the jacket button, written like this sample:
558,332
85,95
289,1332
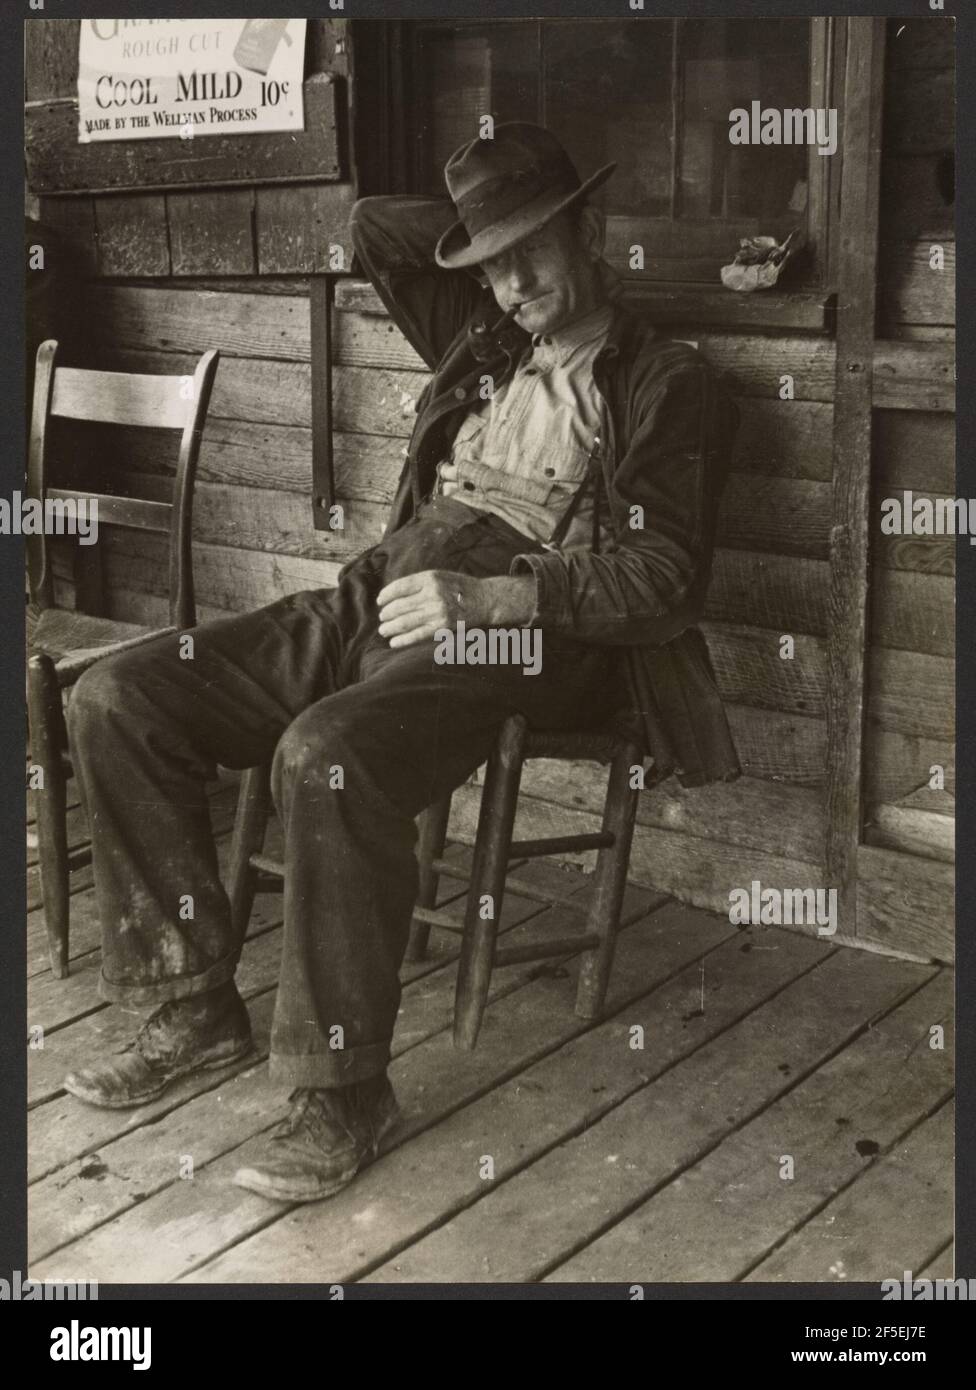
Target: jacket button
459,393
549,472
468,487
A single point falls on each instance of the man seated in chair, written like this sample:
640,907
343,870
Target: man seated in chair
563,477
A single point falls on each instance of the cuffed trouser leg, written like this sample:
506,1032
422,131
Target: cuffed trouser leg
349,777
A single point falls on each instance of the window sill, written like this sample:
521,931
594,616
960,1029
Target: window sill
692,305
808,311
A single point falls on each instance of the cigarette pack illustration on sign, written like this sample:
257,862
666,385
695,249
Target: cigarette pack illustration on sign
259,42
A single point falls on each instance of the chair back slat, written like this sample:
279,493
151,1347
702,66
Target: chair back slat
120,398
135,512
124,398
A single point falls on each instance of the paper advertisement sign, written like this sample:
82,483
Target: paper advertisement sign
141,79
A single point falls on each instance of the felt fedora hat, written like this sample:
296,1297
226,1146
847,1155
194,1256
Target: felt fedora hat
506,187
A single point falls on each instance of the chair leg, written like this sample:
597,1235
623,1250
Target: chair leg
48,738
433,833
250,824
609,883
498,804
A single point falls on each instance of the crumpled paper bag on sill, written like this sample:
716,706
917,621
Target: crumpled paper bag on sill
759,262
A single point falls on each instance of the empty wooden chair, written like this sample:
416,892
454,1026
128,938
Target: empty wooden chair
64,643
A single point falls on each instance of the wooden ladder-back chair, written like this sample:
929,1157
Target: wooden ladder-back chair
63,643
251,870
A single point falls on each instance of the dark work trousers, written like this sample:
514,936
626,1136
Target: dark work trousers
362,738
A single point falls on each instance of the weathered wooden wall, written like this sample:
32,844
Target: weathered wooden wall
154,300
260,241
259,229
911,668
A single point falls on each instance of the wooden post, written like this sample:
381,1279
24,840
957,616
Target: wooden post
849,534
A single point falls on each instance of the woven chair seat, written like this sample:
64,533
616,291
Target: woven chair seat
60,633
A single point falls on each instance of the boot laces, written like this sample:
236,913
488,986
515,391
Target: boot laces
153,1040
321,1111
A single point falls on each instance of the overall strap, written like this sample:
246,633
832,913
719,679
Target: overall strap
593,470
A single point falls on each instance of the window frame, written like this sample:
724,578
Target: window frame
812,275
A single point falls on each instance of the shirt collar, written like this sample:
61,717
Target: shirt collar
560,344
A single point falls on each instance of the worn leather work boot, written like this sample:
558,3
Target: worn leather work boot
184,1035
329,1134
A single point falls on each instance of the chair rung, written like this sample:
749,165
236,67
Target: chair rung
435,918
532,849
275,870
266,865
450,869
541,950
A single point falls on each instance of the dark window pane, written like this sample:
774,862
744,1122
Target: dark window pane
618,90
607,95
466,72
732,63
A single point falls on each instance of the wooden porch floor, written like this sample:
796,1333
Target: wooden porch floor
557,1150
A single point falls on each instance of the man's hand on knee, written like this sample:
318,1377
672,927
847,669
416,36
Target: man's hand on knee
412,609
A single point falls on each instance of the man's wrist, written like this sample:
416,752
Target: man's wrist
510,601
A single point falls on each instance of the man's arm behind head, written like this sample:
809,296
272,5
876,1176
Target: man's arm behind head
393,238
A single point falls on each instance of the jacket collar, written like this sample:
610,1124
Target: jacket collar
624,326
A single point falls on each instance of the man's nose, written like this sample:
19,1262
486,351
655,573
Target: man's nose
520,280
518,272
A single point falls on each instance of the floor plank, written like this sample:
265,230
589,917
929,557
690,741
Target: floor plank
169,1234
68,1201
723,1214
64,1129
608,1160
562,1202
77,827
855,1238
535,1110
71,801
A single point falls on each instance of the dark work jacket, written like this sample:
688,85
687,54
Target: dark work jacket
671,425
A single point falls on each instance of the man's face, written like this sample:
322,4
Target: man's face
550,276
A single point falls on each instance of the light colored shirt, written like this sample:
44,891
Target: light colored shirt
525,451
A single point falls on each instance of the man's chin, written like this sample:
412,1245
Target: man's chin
536,315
